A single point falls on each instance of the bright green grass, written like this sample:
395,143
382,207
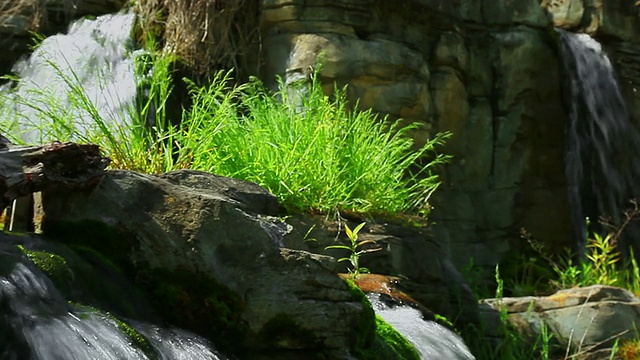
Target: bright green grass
310,150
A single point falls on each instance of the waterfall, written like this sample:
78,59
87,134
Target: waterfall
37,322
432,340
96,56
602,145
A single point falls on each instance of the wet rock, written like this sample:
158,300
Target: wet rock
209,250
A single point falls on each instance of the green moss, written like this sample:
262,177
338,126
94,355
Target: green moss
55,266
137,339
395,340
375,338
366,327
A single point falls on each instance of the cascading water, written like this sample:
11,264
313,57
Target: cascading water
432,340
95,56
603,146
37,322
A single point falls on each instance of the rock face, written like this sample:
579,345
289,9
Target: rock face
208,249
486,70
425,272
586,320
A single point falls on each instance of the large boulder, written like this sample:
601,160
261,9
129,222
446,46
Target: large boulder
208,250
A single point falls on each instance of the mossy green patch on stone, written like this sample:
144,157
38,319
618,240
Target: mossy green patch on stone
55,266
395,340
135,338
366,327
376,339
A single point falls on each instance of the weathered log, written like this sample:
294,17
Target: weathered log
27,169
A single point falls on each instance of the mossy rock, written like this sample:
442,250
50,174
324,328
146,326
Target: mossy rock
54,265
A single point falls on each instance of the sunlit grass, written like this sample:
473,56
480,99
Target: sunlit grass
309,149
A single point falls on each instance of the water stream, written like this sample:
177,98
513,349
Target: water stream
602,145
432,340
95,55
37,322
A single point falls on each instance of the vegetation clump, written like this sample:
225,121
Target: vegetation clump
308,148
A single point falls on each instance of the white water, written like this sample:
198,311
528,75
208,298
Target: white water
38,324
95,55
603,146
432,340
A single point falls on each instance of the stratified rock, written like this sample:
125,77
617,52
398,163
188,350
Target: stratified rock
587,319
209,250
485,70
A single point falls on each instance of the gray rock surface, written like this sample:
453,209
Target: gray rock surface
222,231
586,321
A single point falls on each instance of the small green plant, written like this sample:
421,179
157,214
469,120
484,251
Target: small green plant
603,263
355,250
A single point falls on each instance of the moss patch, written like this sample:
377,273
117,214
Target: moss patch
375,338
366,327
55,266
395,340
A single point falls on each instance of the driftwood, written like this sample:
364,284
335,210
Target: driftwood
27,169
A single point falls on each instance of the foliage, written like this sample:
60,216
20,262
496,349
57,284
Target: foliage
355,251
603,263
512,344
306,148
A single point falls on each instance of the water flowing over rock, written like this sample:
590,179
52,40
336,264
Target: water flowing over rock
92,63
603,146
37,322
20,19
431,339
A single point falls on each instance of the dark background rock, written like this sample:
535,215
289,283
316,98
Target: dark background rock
489,72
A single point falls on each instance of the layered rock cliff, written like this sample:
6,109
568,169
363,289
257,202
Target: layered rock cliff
486,70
